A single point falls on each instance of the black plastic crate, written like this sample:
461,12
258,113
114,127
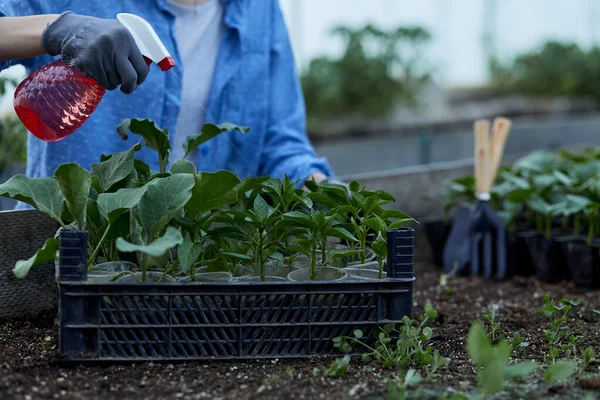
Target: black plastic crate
175,321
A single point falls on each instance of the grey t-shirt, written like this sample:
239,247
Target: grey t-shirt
199,30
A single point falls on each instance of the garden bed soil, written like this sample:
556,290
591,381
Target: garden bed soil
29,369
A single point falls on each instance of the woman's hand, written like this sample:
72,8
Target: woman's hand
101,48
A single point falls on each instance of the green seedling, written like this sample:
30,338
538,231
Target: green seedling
290,371
338,368
492,361
48,343
559,370
491,324
273,379
588,358
399,348
559,339
398,389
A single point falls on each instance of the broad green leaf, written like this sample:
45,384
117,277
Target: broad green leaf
537,162
395,214
42,256
521,370
574,204
157,248
322,198
43,194
563,178
380,245
491,378
342,234
188,253
164,197
208,132
400,223
544,181
539,205
261,208
354,186
520,195
75,183
183,167
559,370
154,137
143,170
212,190
298,219
115,169
112,205
237,256
478,345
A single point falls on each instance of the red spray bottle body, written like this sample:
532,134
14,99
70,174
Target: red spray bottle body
55,100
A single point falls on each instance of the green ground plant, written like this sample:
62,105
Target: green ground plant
561,341
401,347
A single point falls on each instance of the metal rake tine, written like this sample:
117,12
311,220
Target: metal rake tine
487,255
501,253
475,241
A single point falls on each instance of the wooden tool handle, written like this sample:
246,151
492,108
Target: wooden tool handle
500,132
481,131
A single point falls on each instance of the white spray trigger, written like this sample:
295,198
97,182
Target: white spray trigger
147,40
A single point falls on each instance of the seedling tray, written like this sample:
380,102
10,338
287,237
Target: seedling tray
199,321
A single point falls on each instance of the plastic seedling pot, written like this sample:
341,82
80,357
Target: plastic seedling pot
220,276
370,256
548,259
255,278
372,265
241,270
107,271
583,262
151,276
437,233
272,269
363,274
323,274
518,245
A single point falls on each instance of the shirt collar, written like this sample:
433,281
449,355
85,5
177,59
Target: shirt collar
234,12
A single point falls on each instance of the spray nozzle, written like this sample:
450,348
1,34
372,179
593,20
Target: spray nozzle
147,41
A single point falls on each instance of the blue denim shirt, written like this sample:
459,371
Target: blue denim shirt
255,84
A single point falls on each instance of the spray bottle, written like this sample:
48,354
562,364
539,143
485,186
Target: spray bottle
55,100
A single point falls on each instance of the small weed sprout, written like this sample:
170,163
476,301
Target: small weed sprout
289,370
492,361
588,358
338,368
398,348
492,325
494,331
397,389
560,340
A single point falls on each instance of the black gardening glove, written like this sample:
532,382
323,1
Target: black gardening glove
101,48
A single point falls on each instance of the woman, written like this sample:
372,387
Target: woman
233,63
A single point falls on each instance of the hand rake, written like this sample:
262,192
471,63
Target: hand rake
477,237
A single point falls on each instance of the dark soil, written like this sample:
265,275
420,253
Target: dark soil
28,368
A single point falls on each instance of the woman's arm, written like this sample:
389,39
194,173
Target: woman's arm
21,37
287,149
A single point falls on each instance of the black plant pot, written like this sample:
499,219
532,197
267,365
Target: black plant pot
437,233
518,260
548,258
583,262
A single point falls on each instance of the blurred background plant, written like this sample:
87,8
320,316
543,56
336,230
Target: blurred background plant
555,69
378,70
13,135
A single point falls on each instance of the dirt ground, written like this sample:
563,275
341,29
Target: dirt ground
28,368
